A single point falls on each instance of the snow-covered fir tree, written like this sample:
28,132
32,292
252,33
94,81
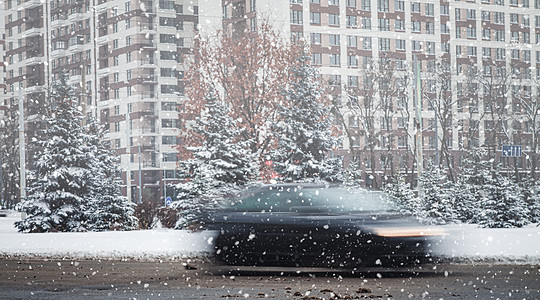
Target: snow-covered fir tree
531,194
466,191
502,204
108,209
220,164
304,130
73,185
436,203
352,175
60,180
403,196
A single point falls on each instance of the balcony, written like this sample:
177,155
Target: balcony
34,60
147,95
146,27
149,79
101,8
144,130
148,44
32,32
58,23
150,164
76,17
147,62
34,89
58,53
31,4
102,40
103,72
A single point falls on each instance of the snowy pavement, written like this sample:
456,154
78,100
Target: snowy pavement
464,243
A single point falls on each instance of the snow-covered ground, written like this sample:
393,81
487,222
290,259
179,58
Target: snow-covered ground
141,244
464,243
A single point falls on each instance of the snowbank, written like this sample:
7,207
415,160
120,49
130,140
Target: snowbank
142,244
465,243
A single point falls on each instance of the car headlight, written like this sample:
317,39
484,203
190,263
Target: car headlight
408,231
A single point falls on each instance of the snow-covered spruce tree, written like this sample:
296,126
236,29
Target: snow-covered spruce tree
436,203
352,175
466,192
59,186
9,160
304,128
403,196
220,164
108,209
502,204
531,194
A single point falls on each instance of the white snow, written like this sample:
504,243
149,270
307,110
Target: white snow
464,243
140,244
467,242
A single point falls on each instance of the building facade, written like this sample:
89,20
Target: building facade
126,60
474,67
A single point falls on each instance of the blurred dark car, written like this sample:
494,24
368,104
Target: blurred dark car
317,226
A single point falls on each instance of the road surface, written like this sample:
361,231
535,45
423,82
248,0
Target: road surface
102,279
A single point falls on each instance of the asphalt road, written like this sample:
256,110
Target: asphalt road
104,279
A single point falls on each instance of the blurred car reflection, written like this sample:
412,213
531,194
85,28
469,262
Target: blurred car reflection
317,226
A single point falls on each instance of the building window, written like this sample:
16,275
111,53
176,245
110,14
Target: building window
499,18
316,59
352,21
399,5
399,25
430,10
471,14
366,5
334,39
333,19
316,38
296,17
445,10
352,41
315,18
383,5
366,23
366,43
384,25
430,28
445,29
486,34
384,44
400,45
499,36
416,46
415,7
352,61
352,81
335,60
471,32
415,26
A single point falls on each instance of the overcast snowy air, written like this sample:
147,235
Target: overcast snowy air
282,149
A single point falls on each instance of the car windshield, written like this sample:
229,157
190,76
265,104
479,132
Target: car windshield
311,200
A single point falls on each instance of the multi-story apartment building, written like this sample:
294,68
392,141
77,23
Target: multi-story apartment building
3,99
124,57
478,62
